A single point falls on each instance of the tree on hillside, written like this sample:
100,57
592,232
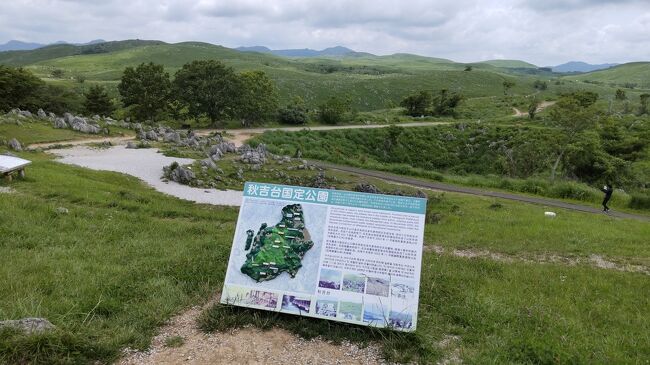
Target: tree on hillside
417,104
507,85
97,101
294,113
468,68
573,114
445,103
620,94
333,110
146,88
532,108
644,103
540,85
57,73
209,88
18,88
259,98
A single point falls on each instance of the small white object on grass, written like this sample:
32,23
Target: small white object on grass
550,214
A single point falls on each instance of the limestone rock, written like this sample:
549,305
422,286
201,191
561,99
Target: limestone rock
41,114
60,123
15,145
29,325
367,188
62,210
172,137
131,144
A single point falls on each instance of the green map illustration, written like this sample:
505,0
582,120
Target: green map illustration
278,248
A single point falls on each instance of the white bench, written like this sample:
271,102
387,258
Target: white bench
10,165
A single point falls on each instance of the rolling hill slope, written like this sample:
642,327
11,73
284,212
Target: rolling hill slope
371,82
629,73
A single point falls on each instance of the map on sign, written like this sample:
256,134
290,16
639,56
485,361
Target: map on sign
277,248
338,255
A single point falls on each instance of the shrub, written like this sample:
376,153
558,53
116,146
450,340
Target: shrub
640,200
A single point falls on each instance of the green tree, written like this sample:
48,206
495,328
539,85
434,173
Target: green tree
620,94
507,85
573,114
391,140
540,85
97,101
468,68
294,113
259,97
333,110
445,103
644,103
146,88
209,88
19,88
417,104
532,108
57,73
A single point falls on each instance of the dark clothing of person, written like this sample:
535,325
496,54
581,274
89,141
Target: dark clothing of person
608,190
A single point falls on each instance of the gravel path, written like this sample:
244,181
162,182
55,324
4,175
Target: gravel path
145,164
475,191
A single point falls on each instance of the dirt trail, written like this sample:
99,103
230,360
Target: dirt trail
593,260
243,346
438,186
543,105
240,136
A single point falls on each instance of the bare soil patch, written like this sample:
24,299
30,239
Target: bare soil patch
243,346
593,260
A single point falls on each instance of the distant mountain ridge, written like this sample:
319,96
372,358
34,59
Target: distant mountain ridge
579,66
337,51
14,45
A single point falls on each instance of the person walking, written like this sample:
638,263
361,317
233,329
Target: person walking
608,190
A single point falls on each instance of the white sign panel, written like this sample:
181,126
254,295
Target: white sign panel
339,255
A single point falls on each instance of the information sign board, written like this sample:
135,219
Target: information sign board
339,255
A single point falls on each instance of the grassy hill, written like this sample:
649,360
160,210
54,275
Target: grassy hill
630,73
508,64
371,82
24,58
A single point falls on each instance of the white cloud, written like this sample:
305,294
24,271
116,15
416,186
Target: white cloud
542,32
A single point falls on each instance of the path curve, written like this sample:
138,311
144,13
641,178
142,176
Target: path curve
543,105
239,135
474,191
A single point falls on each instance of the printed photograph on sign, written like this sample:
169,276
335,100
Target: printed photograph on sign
377,286
350,311
329,279
354,283
329,254
327,307
375,312
295,304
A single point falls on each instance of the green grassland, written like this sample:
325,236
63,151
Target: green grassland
371,82
125,258
633,73
34,130
467,154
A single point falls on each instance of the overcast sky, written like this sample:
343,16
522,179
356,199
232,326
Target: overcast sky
543,32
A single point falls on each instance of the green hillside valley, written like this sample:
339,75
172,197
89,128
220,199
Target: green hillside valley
123,166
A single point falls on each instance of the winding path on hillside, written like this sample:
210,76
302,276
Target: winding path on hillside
543,105
474,191
121,158
239,135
